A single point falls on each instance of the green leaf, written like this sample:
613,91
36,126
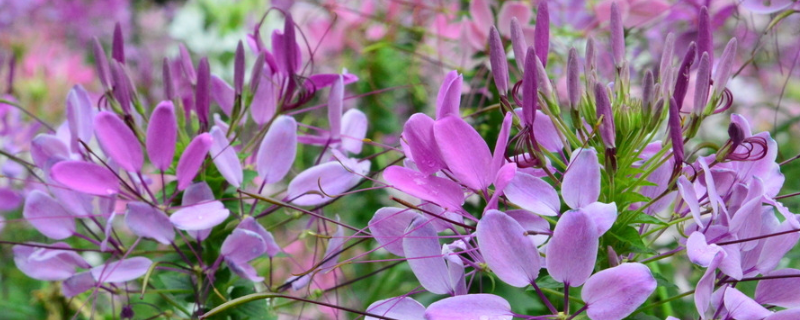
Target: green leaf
256,309
549,283
642,217
663,282
625,239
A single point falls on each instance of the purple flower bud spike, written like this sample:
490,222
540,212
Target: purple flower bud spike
255,74
665,66
191,159
202,93
541,35
238,69
162,134
507,250
617,36
573,78
591,56
118,46
675,132
278,150
530,89
682,83
603,105
121,86
648,92
48,216
702,84
725,67
705,40
187,64
169,85
497,58
518,43
118,141
85,177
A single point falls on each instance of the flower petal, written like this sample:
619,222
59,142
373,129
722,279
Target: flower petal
388,227
225,158
465,152
421,248
572,250
199,216
79,117
397,308
118,141
441,191
782,291
149,222
741,307
418,132
614,293
582,180
251,224
470,306
354,129
331,178
162,134
242,246
507,250
278,150
533,194
48,216
85,177
122,270
192,158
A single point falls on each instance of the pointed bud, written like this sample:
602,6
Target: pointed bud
702,84
648,92
278,149
724,68
191,159
573,78
665,66
238,69
675,131
162,134
530,88
603,105
118,141
202,92
101,62
682,83
290,45
541,37
705,40
518,43
121,86
591,57
497,58
118,46
255,74
545,86
166,77
335,102
187,64
617,36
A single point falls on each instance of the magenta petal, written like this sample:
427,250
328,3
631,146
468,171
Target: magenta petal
200,216
687,192
418,132
121,271
251,224
118,141
582,179
225,158
146,221
197,193
441,191
48,216
603,214
789,314
388,227
546,133
9,199
47,264
465,152
533,194
242,246
223,94
699,251
507,250
332,177
741,307
572,250
354,130
449,98
264,103
322,80
499,154
78,284
85,177
614,293
278,150
470,306
397,308
512,10
47,150
162,134
421,248
782,292
192,158
79,116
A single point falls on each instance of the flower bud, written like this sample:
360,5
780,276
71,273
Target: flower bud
705,40
617,37
541,37
529,88
573,77
724,68
603,105
702,84
118,46
497,59
238,69
682,83
518,43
